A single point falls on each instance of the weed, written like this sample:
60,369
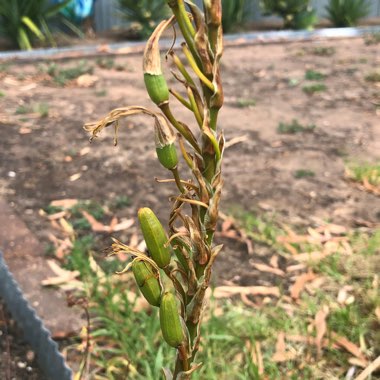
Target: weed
373,77
364,173
303,173
22,110
42,109
344,13
313,88
101,93
372,38
294,127
244,103
314,75
92,207
120,202
293,82
323,51
4,67
2,94
61,76
52,209
105,63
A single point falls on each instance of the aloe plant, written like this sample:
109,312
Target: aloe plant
22,21
176,273
343,13
144,14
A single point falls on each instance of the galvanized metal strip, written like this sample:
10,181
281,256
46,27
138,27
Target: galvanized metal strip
50,360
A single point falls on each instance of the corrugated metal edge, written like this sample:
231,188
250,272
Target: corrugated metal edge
128,47
50,360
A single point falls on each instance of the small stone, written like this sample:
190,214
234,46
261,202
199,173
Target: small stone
11,174
30,356
21,364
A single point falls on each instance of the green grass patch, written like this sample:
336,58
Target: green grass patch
62,75
101,93
364,172
373,77
120,202
2,94
372,38
245,103
105,63
294,127
311,89
323,51
314,75
303,173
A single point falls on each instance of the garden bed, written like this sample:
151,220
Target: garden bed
301,121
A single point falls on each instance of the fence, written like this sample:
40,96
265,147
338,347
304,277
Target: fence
107,15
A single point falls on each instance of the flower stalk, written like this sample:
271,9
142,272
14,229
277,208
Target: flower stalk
175,273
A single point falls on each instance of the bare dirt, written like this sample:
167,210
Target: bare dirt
44,157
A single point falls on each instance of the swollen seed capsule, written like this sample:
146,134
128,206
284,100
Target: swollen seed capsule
170,321
157,88
155,237
168,156
164,138
147,281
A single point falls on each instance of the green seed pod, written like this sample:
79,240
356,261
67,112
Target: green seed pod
147,281
170,321
155,82
164,139
155,237
157,88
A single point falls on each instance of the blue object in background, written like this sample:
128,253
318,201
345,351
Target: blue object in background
77,10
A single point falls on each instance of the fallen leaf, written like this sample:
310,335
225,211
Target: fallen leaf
57,215
274,261
64,203
321,327
24,130
281,355
84,151
75,177
268,269
123,225
352,348
236,140
357,362
87,80
95,225
67,227
370,369
312,257
228,291
299,285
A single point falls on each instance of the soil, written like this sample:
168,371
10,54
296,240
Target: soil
17,360
44,158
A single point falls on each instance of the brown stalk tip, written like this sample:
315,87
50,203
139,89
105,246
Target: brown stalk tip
213,12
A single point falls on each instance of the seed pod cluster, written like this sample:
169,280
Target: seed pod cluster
170,321
147,281
155,237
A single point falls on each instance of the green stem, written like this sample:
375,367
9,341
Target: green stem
184,131
177,180
196,69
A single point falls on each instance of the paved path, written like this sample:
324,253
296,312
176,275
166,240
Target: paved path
24,256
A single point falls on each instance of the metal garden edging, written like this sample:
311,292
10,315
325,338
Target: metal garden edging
128,47
49,359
